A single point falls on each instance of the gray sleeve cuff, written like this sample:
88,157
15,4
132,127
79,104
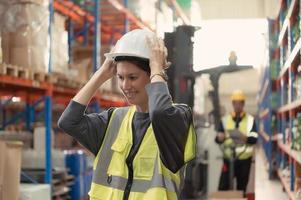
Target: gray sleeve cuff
158,96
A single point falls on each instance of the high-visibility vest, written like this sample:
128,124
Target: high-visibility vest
151,179
242,151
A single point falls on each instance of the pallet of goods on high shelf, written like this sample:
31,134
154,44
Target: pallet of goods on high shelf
65,81
25,73
15,71
41,76
25,40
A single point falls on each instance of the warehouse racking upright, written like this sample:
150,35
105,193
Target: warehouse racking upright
280,98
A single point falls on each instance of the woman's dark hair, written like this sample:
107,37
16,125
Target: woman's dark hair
142,63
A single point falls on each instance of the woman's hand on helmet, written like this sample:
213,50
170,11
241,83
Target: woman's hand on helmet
108,68
157,61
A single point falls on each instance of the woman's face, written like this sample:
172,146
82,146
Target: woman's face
132,81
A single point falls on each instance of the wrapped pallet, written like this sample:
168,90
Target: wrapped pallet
25,40
59,44
10,169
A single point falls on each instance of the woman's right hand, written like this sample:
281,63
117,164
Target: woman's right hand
108,69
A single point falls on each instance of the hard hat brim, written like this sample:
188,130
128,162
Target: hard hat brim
114,55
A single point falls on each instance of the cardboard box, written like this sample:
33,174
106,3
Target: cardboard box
11,153
63,141
26,36
5,46
227,195
39,2
39,138
82,70
24,137
33,159
35,57
2,166
59,20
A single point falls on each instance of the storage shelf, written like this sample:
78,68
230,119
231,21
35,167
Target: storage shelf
264,113
286,21
296,155
61,95
283,31
292,56
291,106
285,184
6,80
264,90
266,137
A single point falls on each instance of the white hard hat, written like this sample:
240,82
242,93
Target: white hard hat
134,44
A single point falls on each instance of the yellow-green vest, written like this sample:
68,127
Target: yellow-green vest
151,179
242,151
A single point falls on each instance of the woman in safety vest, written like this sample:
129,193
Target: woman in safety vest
140,150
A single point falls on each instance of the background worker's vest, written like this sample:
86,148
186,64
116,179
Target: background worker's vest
151,179
243,151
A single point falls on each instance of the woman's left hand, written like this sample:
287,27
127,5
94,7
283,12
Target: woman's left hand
158,55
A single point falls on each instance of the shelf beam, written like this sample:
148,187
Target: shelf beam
180,12
285,184
23,83
290,106
264,113
286,21
292,56
264,135
77,14
296,155
264,91
129,14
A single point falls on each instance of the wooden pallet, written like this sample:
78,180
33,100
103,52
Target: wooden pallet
12,70
40,76
62,80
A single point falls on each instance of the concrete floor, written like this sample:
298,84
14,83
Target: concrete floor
266,189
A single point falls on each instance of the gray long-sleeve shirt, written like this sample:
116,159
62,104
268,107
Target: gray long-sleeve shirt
170,124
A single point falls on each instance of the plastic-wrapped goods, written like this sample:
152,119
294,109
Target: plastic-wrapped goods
59,51
25,35
3,6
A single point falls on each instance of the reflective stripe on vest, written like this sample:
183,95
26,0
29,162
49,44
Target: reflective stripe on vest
245,126
111,173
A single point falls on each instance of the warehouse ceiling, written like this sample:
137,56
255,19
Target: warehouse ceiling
238,9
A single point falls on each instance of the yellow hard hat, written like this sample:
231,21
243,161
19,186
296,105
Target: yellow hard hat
238,95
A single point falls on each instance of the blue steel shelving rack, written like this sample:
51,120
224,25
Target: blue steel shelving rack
286,51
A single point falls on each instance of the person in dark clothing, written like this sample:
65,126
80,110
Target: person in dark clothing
237,134
140,150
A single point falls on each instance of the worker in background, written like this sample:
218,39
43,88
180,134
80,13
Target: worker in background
237,134
140,150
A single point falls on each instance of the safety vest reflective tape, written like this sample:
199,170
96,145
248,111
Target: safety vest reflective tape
151,179
242,151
